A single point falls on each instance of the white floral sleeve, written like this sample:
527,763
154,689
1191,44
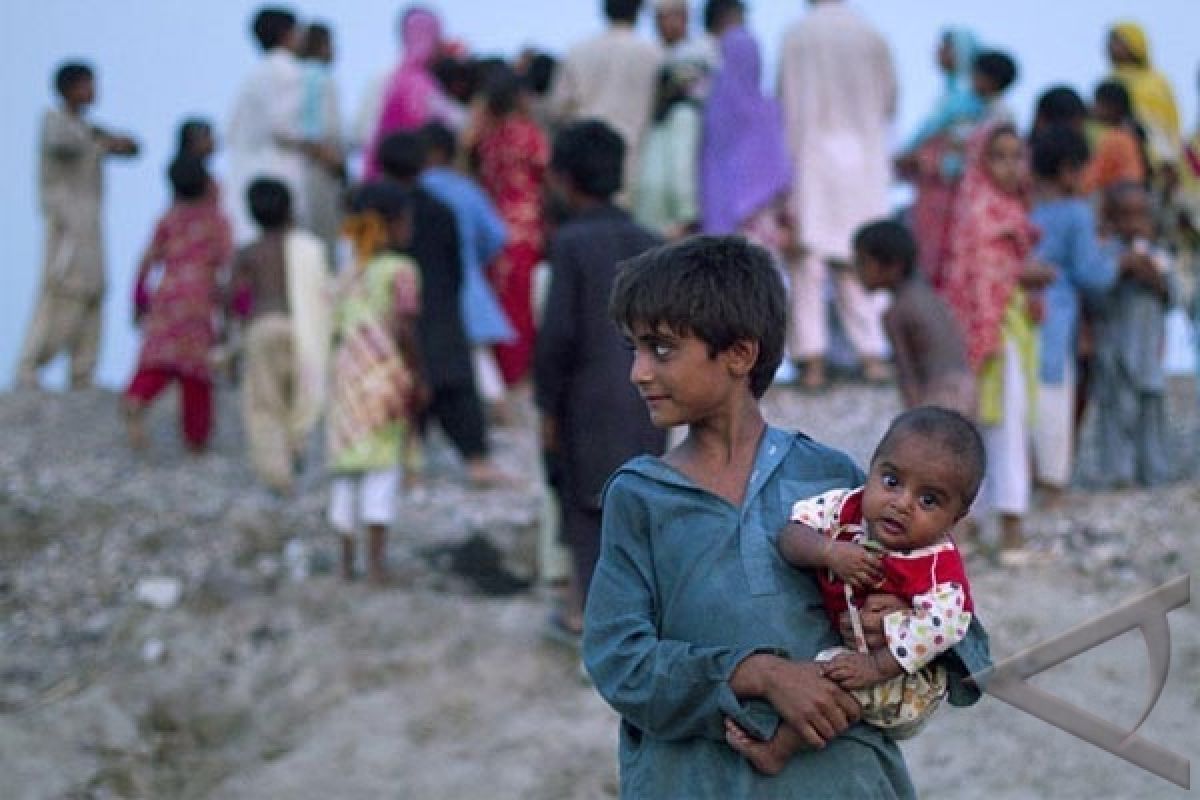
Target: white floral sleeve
936,623
820,512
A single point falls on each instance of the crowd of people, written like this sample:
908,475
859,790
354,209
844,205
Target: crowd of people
472,258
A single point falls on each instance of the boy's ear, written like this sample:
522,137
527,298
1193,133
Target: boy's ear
741,356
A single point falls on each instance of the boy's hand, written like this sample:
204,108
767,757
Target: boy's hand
815,706
1037,275
856,565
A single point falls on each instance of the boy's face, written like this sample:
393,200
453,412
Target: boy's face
677,378
1106,113
873,273
914,494
982,84
81,93
1130,215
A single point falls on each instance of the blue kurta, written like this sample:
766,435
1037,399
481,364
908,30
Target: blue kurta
1068,243
687,587
481,237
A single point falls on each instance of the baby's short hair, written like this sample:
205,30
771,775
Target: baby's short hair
950,429
889,242
720,289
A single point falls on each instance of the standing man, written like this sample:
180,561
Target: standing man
837,86
611,77
671,18
264,137
71,190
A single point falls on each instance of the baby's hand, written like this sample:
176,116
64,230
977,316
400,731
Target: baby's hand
856,565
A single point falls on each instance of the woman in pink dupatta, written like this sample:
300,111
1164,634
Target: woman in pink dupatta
412,96
990,269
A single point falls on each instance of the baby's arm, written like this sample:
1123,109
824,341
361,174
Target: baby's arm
914,639
807,548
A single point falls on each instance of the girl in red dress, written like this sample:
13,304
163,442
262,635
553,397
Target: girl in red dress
192,243
510,153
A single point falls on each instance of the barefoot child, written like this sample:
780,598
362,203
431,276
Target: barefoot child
375,367
693,616
927,342
193,244
892,535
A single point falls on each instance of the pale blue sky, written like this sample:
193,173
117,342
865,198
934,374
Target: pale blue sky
159,61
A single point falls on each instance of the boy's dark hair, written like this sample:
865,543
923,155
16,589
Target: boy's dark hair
1114,94
592,155
888,242
1060,105
541,73
720,289
386,198
401,155
715,12
188,177
317,37
71,73
950,429
998,67
622,10
437,138
270,203
501,89
458,77
271,26
1056,148
189,129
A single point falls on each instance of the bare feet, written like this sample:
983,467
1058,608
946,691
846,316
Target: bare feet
761,755
135,425
876,371
812,375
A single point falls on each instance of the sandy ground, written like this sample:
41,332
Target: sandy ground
258,685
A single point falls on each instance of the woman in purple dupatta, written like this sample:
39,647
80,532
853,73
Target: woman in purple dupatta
412,96
745,166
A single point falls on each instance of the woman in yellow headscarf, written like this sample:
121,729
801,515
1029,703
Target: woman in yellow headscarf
1153,100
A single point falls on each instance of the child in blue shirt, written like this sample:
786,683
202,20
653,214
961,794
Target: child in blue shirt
693,617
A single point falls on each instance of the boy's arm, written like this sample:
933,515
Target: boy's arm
673,689
902,354
554,357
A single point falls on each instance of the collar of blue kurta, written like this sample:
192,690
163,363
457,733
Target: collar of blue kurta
773,448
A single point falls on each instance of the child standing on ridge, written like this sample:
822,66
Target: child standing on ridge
926,340
376,373
70,301
1129,320
194,244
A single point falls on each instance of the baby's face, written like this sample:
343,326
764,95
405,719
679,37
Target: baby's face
914,494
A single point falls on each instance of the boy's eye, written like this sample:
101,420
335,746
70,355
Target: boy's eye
890,480
662,350
928,500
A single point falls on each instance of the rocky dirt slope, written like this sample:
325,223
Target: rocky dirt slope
268,678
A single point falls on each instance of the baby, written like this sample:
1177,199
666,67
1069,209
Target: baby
890,536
